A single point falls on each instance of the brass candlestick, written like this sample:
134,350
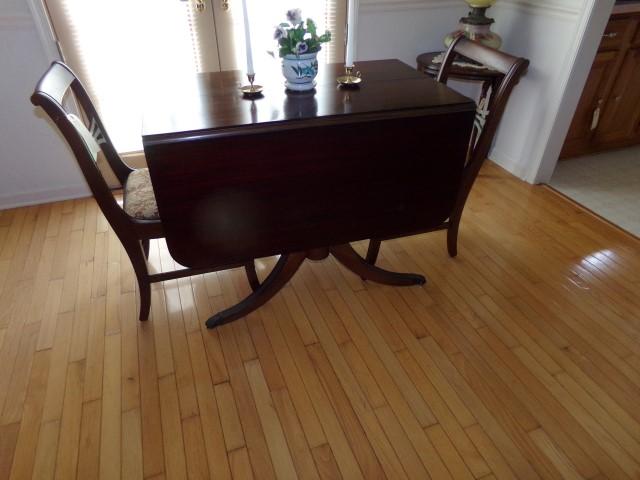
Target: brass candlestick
251,90
349,79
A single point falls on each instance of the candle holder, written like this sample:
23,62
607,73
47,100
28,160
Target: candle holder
349,79
251,90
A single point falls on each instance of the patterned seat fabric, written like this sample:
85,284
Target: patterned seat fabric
139,200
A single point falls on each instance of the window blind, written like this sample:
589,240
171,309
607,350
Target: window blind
120,48
263,18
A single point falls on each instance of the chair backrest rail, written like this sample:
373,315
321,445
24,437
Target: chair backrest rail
491,105
87,140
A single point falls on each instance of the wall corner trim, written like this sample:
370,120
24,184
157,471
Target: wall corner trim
558,8
367,6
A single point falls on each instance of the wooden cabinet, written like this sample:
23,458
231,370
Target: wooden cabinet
608,115
620,116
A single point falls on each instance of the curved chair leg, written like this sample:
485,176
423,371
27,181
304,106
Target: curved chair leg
145,247
145,299
252,276
135,250
283,271
372,251
452,236
358,265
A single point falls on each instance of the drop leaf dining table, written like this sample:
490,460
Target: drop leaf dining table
301,175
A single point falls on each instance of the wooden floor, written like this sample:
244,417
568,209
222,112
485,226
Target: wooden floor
519,359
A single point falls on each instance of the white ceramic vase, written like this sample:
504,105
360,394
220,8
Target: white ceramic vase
300,71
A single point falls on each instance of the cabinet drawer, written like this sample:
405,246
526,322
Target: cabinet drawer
614,34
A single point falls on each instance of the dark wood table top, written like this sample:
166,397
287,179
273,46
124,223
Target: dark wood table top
210,103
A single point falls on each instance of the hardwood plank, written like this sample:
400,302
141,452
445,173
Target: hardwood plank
490,452
300,453
447,452
67,460
210,414
367,459
326,462
8,437
49,315
17,388
334,433
89,449
561,462
129,362
24,459
290,372
151,418
181,356
58,371
110,432
231,426
445,417
274,434
46,450
195,451
360,370
95,351
267,356
254,436
240,465
174,453
132,465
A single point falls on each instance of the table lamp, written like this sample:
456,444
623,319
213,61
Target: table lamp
476,25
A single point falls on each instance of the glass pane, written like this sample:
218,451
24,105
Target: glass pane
124,46
264,16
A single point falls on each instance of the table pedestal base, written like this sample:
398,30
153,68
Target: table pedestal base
288,265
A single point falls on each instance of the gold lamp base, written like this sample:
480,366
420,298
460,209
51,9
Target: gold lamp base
349,79
251,90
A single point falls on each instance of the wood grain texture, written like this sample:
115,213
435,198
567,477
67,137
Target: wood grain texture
518,360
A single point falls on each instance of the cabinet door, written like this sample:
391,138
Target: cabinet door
590,107
620,115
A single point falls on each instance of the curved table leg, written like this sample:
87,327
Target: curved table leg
283,271
373,251
252,276
347,256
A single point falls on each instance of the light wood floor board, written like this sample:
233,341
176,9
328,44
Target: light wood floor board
519,359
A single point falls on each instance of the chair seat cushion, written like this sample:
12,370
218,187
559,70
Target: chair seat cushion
139,200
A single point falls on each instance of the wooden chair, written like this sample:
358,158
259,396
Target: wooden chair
489,113
137,221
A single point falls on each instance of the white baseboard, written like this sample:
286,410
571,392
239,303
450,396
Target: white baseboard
43,196
512,165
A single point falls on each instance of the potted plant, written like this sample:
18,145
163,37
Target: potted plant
298,46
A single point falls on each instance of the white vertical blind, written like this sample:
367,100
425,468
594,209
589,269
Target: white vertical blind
265,15
120,48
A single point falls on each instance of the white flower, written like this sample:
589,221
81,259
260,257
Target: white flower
280,33
301,47
294,16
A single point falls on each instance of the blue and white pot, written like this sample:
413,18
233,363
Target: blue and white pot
300,71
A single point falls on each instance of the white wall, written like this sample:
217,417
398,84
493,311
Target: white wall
547,32
35,163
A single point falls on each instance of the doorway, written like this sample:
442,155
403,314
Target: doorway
599,165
